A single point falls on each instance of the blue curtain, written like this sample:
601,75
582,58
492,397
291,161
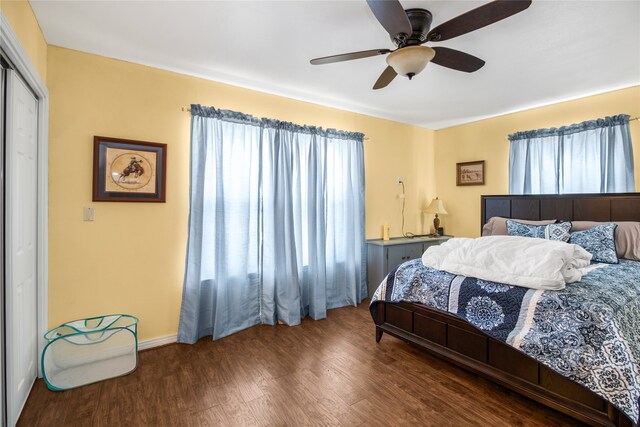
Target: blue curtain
276,223
595,156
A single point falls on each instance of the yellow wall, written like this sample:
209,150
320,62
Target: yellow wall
131,258
26,27
485,140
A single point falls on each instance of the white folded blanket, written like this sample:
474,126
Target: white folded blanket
519,261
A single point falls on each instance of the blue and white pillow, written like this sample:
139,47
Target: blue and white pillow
550,232
598,241
560,231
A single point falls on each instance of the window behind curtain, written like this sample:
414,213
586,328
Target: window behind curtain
595,156
276,223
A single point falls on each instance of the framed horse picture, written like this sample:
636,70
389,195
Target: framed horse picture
128,171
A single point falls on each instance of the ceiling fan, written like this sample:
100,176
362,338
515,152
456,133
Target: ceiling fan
409,29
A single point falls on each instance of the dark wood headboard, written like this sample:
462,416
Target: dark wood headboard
568,207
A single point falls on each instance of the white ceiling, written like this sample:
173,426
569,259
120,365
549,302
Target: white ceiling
553,51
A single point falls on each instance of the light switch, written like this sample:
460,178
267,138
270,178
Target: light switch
89,214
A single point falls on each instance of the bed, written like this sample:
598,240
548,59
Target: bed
456,340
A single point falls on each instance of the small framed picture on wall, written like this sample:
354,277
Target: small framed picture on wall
470,173
128,171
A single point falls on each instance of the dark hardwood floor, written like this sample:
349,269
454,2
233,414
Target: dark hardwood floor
327,372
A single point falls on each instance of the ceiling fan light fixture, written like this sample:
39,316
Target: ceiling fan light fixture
410,60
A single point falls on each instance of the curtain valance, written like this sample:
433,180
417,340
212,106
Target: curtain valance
620,119
247,119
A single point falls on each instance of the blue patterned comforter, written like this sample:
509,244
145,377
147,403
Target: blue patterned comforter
588,332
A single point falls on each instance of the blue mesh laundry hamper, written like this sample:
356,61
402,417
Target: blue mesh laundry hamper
89,350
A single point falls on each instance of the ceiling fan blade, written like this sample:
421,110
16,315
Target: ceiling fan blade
456,60
349,56
385,78
392,16
477,18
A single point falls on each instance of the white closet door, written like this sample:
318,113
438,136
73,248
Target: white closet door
2,346
21,215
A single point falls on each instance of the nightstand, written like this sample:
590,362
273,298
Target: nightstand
384,255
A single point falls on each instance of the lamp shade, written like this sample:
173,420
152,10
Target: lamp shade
436,207
410,60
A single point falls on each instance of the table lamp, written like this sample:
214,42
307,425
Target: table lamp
436,207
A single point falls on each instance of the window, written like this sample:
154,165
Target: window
276,224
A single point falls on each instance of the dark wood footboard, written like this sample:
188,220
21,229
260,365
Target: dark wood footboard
458,342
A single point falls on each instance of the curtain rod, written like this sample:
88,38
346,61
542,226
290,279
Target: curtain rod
188,110
631,119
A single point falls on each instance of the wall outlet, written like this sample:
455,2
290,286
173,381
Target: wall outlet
89,214
399,180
